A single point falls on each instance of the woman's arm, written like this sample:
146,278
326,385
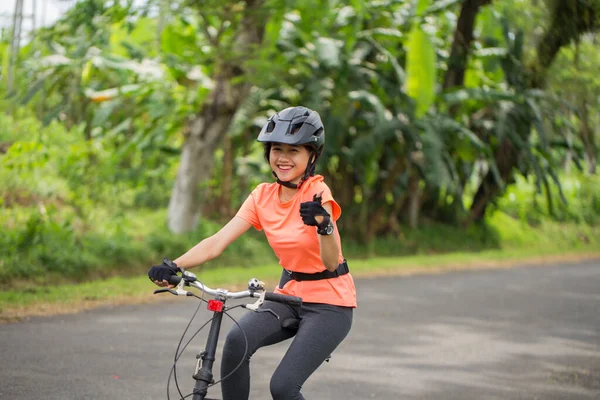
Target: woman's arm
213,246
329,246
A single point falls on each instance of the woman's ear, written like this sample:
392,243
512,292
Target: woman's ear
313,154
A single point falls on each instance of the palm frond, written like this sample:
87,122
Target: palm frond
368,98
246,112
449,124
483,95
441,5
398,70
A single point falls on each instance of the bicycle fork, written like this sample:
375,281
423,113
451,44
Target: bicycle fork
206,358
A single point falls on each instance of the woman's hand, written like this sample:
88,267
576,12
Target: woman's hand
160,274
313,213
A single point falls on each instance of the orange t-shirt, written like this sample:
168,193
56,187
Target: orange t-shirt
296,244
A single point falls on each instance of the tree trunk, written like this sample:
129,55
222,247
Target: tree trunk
380,215
569,20
587,134
197,158
506,157
414,200
227,179
212,122
587,137
463,38
455,75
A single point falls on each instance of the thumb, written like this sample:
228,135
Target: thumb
318,197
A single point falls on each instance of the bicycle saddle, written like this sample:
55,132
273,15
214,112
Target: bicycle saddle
291,323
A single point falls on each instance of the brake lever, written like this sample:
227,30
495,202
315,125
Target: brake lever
256,306
249,307
268,310
157,291
178,289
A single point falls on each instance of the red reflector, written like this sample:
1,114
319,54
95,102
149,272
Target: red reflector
215,305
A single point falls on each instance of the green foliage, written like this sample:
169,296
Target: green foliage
48,245
429,238
420,69
68,211
109,91
49,249
582,193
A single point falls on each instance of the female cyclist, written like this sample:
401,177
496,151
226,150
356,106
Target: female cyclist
297,214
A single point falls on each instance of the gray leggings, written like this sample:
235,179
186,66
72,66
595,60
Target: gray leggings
322,328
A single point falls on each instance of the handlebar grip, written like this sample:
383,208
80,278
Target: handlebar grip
174,280
282,298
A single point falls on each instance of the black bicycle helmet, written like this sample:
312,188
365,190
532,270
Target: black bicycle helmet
295,126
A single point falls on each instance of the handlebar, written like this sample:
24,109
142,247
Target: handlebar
282,298
255,290
174,280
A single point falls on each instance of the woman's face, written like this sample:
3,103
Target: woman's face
289,161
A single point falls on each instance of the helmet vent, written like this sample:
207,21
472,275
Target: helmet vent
294,128
270,126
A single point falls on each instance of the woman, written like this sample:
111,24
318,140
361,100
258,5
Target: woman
297,214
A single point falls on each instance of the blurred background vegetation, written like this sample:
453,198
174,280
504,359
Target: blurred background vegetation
128,128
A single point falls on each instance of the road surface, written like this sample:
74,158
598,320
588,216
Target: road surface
531,332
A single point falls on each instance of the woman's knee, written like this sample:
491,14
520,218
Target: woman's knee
283,388
235,344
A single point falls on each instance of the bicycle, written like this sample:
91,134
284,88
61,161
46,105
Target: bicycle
205,359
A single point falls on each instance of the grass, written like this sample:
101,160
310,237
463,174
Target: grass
69,298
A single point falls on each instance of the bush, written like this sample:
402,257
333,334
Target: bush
51,245
70,211
581,192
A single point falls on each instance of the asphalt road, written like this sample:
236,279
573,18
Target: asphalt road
522,333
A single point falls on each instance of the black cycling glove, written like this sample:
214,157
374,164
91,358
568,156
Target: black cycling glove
163,271
311,209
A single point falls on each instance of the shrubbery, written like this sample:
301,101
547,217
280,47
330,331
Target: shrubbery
69,212
72,211
581,192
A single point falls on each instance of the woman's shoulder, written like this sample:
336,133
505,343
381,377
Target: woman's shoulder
315,185
263,189
316,181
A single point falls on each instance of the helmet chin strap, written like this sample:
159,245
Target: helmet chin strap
288,184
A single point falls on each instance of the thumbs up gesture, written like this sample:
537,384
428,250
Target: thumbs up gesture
313,213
